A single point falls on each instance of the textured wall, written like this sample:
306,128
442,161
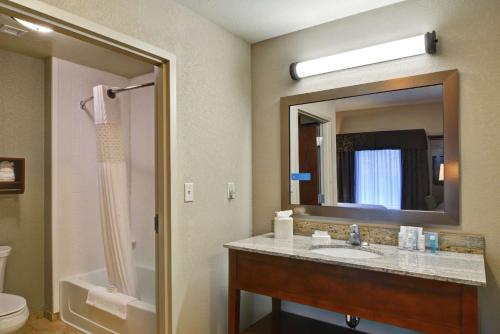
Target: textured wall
469,33
214,138
21,135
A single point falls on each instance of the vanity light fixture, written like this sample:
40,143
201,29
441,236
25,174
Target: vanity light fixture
33,26
402,48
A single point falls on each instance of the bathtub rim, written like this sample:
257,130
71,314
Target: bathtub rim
79,281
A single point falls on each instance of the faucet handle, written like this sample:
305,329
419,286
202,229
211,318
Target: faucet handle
354,228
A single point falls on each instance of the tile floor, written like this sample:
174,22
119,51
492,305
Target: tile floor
37,324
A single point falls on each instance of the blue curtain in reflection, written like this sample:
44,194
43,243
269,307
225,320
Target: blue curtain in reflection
378,178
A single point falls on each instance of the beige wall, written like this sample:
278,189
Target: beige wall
22,135
427,116
214,138
469,32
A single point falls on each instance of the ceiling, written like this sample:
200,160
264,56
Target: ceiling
40,45
420,95
258,20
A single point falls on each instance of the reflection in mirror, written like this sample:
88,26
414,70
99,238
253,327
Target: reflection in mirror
380,151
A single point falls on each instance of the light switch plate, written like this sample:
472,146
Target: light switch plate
231,190
188,192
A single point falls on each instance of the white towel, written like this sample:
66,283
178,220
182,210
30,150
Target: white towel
7,176
111,302
7,171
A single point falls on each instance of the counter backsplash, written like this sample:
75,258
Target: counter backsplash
388,235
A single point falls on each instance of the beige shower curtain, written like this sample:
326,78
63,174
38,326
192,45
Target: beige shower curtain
113,193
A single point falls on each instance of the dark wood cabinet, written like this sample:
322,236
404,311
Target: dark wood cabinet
424,305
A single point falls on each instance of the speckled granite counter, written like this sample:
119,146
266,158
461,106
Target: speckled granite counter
445,266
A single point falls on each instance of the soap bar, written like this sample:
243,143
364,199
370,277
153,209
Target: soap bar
320,238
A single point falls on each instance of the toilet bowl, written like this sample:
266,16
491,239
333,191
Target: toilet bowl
4,254
13,313
13,309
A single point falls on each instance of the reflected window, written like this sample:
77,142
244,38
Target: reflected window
378,178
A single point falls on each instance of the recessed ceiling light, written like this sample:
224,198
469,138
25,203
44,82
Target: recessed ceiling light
33,26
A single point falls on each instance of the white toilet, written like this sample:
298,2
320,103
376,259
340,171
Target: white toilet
13,309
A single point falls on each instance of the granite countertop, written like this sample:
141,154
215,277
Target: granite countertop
453,267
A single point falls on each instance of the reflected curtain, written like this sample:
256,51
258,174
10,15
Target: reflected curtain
345,177
345,169
378,178
414,161
415,179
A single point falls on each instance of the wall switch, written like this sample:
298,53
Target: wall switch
188,192
231,190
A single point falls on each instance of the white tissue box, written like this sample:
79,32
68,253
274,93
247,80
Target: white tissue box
283,225
283,228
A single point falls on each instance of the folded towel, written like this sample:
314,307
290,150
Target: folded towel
6,164
111,302
7,171
7,176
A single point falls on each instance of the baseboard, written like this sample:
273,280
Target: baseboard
51,316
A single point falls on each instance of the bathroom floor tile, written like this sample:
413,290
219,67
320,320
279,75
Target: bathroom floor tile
39,325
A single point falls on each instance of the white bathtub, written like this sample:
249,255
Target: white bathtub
141,314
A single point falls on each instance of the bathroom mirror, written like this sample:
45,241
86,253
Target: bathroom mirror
378,151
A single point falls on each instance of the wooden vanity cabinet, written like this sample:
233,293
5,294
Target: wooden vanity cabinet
425,305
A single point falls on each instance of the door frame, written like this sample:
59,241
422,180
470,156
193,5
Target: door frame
165,119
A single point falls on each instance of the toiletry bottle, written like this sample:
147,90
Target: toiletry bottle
409,241
432,241
415,238
401,240
403,233
421,243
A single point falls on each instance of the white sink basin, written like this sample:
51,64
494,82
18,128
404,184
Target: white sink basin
346,253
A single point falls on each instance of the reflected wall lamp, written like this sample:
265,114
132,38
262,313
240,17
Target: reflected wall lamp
402,48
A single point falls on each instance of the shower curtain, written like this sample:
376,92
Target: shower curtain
113,193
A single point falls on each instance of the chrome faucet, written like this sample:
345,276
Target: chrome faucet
355,238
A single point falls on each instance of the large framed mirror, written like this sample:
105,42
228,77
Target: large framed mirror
382,151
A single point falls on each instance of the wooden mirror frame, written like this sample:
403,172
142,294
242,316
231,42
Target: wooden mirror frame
450,216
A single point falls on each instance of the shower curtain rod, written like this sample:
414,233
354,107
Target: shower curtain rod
112,93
